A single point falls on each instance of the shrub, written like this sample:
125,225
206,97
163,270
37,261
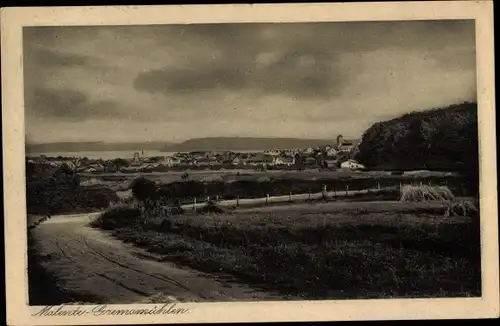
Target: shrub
410,193
117,216
212,207
143,189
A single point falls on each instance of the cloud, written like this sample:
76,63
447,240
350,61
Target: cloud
68,104
49,58
297,74
288,79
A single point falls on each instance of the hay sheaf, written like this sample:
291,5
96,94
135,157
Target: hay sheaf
410,193
460,208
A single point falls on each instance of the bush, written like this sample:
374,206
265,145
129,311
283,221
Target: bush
424,193
117,216
143,189
57,191
212,207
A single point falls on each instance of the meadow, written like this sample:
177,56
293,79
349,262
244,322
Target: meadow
229,185
330,250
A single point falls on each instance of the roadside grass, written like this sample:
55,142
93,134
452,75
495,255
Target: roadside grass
351,252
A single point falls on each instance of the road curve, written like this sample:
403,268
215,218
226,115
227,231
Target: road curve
88,261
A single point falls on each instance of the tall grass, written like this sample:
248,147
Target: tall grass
346,254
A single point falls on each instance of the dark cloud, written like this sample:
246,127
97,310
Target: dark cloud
67,104
323,36
299,74
337,70
233,64
189,79
46,47
49,58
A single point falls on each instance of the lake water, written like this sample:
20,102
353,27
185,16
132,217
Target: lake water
107,155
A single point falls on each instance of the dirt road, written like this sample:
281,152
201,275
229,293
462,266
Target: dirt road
89,261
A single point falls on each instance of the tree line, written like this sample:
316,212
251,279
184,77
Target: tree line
438,139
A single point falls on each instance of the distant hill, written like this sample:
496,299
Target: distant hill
93,146
244,143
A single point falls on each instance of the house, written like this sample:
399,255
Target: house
198,155
95,168
284,160
310,160
331,162
273,152
309,150
352,165
331,151
171,161
69,164
237,161
290,152
149,167
345,147
205,161
260,159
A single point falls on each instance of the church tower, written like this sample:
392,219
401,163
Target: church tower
340,140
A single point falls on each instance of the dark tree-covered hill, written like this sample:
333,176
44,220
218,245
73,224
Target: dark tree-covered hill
438,139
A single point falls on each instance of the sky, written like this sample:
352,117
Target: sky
176,82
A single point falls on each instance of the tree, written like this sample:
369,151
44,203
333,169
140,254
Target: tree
438,139
120,162
143,189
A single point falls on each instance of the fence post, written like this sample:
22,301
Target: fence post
194,204
267,199
347,190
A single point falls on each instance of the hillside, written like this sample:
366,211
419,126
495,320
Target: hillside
244,143
93,146
437,139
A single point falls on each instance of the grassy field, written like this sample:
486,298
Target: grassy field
323,251
230,185
253,175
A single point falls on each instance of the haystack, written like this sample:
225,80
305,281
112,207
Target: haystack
410,193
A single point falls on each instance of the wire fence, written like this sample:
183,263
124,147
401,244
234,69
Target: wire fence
267,199
325,194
